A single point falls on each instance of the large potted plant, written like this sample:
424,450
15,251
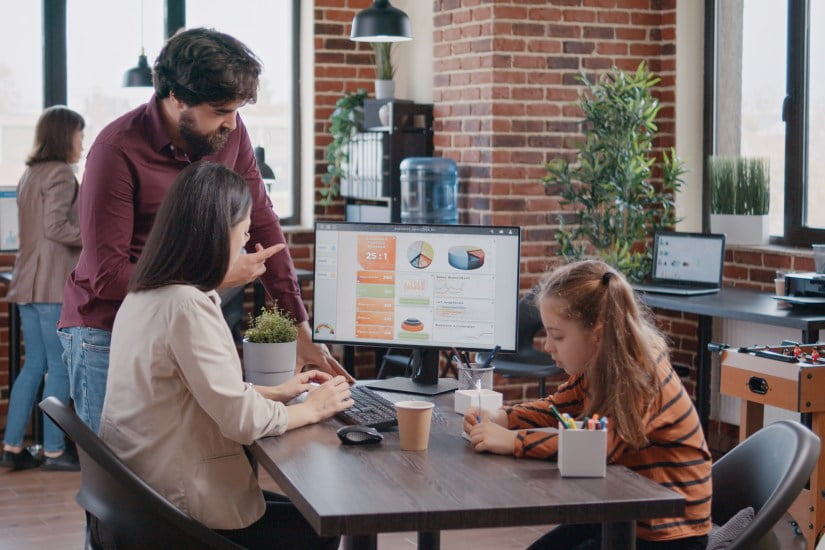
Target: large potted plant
270,348
616,202
740,198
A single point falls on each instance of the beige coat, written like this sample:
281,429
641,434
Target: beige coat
49,233
177,410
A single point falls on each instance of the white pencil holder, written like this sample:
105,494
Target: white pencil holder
582,453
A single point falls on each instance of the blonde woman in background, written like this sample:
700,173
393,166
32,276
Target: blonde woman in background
49,247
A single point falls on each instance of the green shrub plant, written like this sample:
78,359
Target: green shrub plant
616,202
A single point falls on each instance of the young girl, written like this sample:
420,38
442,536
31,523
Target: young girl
618,368
177,410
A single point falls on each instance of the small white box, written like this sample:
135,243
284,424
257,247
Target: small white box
490,400
582,453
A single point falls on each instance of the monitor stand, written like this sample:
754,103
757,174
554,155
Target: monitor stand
424,381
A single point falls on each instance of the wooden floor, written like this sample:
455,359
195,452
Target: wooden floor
38,512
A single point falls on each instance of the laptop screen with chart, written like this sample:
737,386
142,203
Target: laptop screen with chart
422,287
686,263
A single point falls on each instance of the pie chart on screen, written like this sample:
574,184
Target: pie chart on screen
466,257
420,254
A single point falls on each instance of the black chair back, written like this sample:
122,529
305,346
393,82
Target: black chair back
766,471
133,513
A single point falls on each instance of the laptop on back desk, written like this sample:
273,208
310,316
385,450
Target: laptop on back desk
686,264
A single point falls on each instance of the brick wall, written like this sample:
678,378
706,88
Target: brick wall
6,264
506,78
505,83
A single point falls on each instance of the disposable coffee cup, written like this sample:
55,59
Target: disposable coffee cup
414,418
470,377
779,282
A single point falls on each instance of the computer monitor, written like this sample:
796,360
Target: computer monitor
424,287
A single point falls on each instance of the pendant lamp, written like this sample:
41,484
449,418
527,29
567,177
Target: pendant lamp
140,76
381,23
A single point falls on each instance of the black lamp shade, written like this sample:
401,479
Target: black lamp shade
381,23
140,76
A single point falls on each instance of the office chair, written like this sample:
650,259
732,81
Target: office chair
123,506
766,472
527,361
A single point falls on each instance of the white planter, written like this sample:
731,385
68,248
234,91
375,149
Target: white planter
742,230
384,89
269,364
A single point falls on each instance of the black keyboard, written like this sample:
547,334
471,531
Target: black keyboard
370,409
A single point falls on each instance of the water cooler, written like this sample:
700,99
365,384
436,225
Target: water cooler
429,190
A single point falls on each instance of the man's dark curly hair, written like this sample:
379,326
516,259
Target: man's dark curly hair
205,66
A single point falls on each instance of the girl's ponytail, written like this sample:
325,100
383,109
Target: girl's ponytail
623,382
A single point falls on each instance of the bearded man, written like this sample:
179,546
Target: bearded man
201,79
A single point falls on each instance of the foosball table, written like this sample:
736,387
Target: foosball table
791,377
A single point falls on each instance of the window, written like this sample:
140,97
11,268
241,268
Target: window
97,56
769,101
21,87
815,211
269,28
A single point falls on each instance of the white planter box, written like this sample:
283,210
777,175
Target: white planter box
269,364
743,230
384,89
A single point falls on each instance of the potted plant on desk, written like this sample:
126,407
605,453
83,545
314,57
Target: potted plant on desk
270,348
740,198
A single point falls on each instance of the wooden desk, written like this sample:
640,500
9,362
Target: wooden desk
360,491
741,305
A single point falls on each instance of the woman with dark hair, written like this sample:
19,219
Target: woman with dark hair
176,409
49,247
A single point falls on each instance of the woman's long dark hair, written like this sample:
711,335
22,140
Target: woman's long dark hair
54,133
190,238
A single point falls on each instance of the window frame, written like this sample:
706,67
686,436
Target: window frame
795,114
55,76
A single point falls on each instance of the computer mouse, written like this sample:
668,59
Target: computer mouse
359,435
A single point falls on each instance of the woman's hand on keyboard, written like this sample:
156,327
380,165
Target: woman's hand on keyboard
321,403
298,384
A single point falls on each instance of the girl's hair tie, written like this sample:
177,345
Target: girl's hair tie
606,278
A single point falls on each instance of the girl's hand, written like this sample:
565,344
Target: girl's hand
491,437
471,418
329,398
298,384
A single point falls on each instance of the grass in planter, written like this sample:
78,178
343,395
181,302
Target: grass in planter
739,185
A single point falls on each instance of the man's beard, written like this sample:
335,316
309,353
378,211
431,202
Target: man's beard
201,145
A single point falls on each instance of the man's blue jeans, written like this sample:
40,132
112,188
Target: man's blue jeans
42,359
86,354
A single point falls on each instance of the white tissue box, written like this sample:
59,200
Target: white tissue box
582,453
490,400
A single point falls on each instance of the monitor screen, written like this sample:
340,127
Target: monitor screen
420,286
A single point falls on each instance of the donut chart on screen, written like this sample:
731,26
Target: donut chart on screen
465,257
420,254
412,324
